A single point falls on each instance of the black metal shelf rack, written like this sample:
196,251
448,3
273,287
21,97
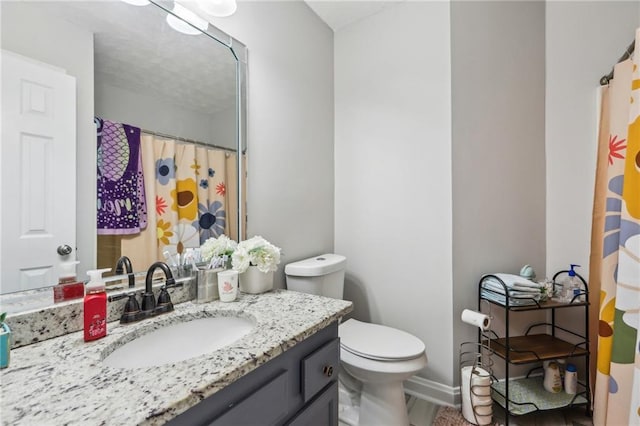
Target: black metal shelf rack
540,342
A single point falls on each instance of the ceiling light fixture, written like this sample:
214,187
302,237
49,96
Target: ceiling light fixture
186,15
218,8
137,2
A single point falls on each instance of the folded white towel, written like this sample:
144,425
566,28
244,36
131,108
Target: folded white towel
515,291
511,280
494,284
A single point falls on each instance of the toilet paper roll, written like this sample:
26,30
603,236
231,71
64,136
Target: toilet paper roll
476,319
475,390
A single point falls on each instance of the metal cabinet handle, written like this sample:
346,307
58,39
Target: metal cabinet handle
64,250
328,370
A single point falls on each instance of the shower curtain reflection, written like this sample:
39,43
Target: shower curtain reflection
191,194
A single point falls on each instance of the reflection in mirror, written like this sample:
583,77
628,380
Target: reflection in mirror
165,111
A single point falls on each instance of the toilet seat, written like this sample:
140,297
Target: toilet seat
378,342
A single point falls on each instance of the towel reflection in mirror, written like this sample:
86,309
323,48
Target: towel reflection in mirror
190,191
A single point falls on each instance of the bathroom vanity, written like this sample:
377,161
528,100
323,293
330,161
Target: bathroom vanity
294,388
284,371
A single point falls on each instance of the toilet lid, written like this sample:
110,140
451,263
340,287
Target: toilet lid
378,342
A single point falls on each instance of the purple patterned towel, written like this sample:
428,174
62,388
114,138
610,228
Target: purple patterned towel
122,206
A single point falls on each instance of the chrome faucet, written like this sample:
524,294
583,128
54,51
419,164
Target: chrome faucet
125,262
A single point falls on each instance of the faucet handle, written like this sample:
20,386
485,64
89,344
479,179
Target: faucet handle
164,301
132,312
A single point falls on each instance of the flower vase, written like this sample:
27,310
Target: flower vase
5,345
254,281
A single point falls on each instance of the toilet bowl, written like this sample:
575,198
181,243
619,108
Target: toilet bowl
381,358
377,356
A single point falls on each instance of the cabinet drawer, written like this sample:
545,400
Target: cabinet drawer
269,401
320,368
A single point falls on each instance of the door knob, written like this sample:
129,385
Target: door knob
64,250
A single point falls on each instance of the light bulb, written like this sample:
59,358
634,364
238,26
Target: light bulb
181,26
219,8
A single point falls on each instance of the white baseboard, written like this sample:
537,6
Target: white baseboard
433,391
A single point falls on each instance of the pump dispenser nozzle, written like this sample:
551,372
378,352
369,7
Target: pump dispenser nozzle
68,271
572,273
95,280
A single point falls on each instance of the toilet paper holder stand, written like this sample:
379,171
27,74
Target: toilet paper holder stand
476,361
476,369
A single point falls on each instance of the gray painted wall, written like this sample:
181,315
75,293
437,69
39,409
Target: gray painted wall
290,135
596,34
584,40
498,146
393,173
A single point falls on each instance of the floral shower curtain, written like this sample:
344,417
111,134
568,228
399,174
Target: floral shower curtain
191,191
615,254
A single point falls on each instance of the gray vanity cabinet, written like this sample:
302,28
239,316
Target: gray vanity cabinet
298,387
323,410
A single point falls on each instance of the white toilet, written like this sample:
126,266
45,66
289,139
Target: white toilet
380,357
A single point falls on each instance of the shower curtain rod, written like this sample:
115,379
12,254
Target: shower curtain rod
627,54
195,142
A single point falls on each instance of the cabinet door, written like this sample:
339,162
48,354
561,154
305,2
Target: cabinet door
270,401
322,410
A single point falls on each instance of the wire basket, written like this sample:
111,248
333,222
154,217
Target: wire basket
476,378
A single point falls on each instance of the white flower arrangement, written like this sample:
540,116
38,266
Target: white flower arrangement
255,251
546,289
217,248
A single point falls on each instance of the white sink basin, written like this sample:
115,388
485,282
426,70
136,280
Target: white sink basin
179,342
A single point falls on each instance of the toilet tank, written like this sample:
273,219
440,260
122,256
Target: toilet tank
322,275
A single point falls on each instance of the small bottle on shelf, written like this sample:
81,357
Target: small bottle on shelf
552,382
572,286
562,363
571,379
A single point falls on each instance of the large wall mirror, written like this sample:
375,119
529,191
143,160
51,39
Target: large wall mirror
122,134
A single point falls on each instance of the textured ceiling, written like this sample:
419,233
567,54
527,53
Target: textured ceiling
137,50
340,13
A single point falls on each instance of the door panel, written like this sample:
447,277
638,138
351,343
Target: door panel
38,181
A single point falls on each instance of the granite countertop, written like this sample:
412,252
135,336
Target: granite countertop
63,380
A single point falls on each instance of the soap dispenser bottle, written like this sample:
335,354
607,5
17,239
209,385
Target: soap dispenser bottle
95,306
573,286
68,286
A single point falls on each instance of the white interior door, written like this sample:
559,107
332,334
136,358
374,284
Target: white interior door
38,178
